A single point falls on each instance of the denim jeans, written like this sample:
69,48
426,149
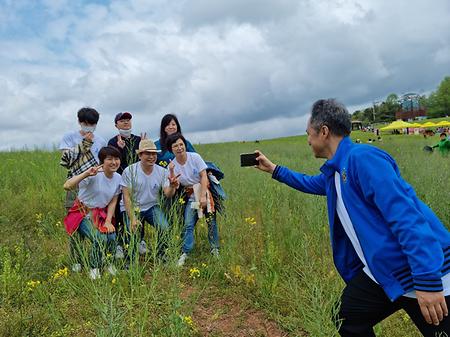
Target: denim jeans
100,243
156,218
190,219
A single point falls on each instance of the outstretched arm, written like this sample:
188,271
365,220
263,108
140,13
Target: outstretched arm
299,181
73,182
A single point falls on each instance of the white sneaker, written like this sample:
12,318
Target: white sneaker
76,267
112,270
119,252
215,252
182,260
94,274
142,247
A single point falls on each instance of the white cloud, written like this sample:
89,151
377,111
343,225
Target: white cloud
226,68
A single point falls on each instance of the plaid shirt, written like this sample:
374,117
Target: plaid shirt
78,159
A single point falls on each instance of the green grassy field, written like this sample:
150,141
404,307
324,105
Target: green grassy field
275,275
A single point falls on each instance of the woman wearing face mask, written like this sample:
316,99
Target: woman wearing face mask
169,126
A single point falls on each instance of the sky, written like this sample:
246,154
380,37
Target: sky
229,69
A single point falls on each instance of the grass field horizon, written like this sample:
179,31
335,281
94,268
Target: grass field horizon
275,275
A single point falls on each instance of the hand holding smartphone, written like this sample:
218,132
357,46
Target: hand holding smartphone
249,159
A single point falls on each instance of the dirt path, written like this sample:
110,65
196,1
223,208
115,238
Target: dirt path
224,315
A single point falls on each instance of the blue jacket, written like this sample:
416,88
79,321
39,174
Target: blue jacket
405,245
164,157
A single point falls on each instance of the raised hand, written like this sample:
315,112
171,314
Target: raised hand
143,135
264,164
92,171
89,136
173,179
120,142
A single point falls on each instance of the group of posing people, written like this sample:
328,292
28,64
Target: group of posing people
115,188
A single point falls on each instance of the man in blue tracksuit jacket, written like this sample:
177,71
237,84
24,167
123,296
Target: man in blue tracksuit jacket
388,246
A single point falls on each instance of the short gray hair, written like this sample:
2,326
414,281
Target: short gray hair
333,114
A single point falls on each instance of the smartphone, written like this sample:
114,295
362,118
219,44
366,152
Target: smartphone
249,159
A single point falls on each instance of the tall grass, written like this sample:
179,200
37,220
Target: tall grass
275,251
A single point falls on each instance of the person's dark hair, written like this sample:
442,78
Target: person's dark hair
162,134
108,151
172,139
333,114
88,115
443,134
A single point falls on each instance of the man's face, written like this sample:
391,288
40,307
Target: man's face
148,158
316,140
123,124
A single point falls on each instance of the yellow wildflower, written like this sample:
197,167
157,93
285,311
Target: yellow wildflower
137,209
38,217
63,272
194,273
405,317
108,255
58,224
113,281
32,284
250,220
250,279
189,322
181,201
236,270
204,265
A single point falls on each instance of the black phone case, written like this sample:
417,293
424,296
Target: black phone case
249,159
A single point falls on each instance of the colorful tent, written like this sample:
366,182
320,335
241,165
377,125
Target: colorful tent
443,123
415,125
396,125
428,125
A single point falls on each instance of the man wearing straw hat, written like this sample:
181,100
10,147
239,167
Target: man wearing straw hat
141,184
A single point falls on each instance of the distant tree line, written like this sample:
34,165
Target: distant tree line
437,105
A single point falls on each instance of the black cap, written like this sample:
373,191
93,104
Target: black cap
122,115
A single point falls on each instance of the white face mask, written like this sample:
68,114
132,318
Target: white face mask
125,133
87,128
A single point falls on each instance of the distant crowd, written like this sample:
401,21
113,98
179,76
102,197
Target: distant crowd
115,187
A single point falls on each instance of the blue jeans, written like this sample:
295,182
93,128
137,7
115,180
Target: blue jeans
100,242
190,219
155,217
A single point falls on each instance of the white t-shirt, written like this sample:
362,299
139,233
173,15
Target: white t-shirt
73,138
98,191
190,171
144,188
350,231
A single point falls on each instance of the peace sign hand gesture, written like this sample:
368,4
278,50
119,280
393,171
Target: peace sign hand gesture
143,135
120,142
92,171
174,182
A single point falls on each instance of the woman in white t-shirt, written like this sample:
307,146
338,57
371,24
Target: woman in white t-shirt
191,169
92,214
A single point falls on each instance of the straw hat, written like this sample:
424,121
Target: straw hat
147,145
